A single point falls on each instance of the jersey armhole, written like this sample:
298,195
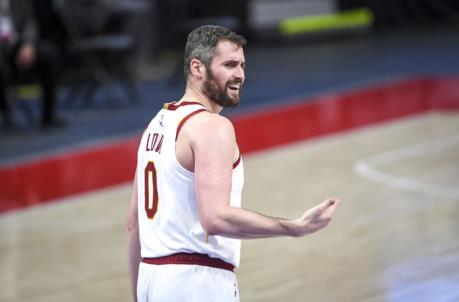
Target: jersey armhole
237,162
183,121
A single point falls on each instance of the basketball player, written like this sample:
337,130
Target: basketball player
185,221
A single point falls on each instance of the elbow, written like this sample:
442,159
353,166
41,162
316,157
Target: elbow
216,220
212,226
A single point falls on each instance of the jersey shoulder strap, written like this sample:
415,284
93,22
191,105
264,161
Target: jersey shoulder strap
189,109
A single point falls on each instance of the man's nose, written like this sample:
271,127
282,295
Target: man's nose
240,74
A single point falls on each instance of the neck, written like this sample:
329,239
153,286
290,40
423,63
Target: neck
194,94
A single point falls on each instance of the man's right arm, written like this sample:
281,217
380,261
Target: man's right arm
133,240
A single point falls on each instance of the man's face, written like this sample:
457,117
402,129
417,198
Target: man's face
225,75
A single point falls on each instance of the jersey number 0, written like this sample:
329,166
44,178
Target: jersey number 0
151,190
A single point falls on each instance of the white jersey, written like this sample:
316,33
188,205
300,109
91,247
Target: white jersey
169,220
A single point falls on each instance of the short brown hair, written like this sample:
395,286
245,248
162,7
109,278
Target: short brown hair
202,41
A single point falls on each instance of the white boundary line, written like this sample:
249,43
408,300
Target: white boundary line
367,168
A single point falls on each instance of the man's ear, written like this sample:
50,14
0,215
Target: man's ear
197,68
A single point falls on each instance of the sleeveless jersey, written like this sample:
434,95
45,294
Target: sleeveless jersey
169,220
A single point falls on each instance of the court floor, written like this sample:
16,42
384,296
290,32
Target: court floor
395,237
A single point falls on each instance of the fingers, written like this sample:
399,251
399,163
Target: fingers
325,208
332,201
328,207
332,204
319,216
327,204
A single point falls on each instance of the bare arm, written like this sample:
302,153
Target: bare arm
214,152
133,240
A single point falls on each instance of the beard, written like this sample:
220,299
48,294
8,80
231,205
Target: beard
220,95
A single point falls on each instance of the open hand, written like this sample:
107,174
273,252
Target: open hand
317,217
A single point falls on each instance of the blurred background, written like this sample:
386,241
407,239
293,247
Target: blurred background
101,67
81,79
116,53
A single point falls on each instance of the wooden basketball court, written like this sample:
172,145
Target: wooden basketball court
395,237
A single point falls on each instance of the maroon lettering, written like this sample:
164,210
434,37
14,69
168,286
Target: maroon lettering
148,143
154,144
153,141
160,144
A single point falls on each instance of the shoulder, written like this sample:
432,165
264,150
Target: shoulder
207,127
210,124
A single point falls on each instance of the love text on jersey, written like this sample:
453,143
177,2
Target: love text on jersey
154,142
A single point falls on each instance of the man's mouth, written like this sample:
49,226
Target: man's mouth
234,87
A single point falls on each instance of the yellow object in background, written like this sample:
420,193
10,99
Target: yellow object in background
362,17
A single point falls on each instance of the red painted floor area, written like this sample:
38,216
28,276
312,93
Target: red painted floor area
42,181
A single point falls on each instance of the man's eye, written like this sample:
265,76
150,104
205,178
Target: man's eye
231,64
